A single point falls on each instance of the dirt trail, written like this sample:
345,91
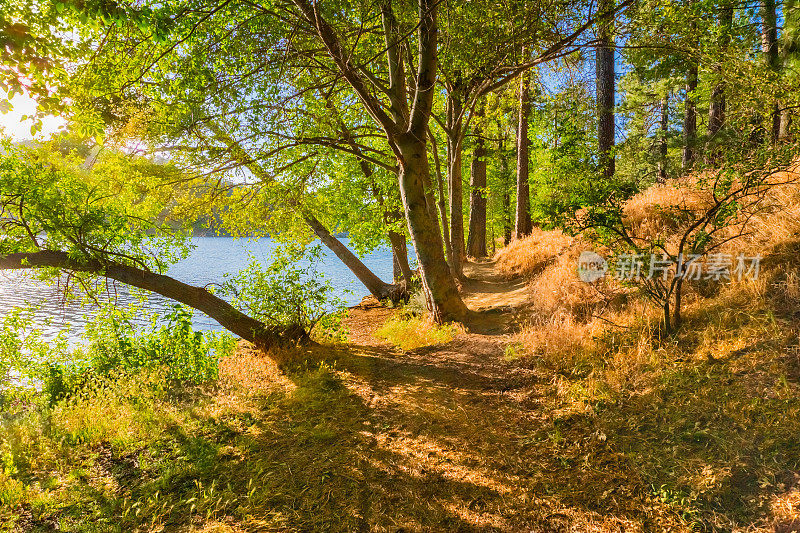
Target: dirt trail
487,289
460,432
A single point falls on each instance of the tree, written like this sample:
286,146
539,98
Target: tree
476,243
523,224
769,47
405,128
690,103
663,146
716,109
606,87
99,224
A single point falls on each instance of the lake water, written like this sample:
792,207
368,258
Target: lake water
210,260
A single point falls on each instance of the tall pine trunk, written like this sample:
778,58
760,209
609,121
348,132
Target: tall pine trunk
786,123
476,241
605,86
505,171
769,47
662,141
455,182
690,104
716,109
523,225
690,118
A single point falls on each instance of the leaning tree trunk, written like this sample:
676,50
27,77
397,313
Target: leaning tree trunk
443,298
606,89
262,335
377,287
476,241
523,225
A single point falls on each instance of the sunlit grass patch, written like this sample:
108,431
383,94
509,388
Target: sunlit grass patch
130,455
416,332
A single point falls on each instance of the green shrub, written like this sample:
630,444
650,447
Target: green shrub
186,355
289,291
26,356
112,347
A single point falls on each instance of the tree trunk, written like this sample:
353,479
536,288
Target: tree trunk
377,287
769,46
443,299
476,241
786,123
255,331
523,225
716,110
606,89
455,182
662,142
690,118
505,175
402,270
441,201
374,285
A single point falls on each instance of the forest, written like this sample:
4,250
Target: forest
570,231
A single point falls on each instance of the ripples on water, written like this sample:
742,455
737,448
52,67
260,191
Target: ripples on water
210,260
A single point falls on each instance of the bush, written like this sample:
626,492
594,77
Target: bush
186,355
113,347
290,291
26,356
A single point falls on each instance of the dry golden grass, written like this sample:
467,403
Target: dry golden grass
526,257
558,342
549,260
662,209
708,416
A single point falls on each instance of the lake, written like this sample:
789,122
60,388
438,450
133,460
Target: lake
209,261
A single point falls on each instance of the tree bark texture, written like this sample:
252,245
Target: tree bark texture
476,241
606,89
523,225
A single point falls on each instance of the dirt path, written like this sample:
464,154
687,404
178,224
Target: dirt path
460,439
487,289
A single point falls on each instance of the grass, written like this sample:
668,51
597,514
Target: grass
416,332
708,418
695,432
131,458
